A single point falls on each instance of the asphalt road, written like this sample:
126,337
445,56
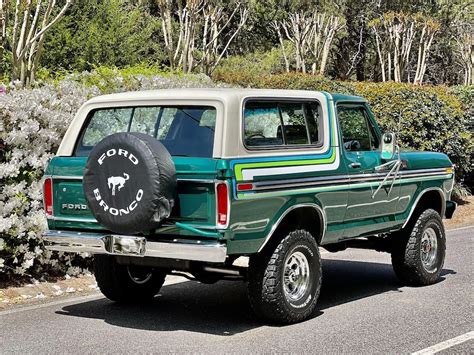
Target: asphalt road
362,309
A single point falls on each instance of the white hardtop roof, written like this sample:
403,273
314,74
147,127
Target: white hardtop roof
223,94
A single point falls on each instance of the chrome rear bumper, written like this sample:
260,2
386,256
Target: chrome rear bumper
94,243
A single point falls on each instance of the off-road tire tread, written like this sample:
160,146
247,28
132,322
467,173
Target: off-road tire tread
114,282
263,288
405,252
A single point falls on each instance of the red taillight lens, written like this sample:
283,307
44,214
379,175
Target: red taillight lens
48,196
222,204
244,187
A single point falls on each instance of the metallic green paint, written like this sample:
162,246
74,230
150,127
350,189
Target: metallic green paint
348,207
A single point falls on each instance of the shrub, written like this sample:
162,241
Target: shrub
296,81
465,94
32,123
254,63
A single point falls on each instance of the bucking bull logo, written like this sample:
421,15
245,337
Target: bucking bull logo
114,181
118,182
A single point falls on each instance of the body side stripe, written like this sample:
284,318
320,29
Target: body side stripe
338,187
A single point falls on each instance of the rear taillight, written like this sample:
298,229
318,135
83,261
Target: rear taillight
222,193
48,196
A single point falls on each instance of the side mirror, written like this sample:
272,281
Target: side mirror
388,146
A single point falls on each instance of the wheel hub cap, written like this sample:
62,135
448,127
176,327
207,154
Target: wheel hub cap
429,249
296,276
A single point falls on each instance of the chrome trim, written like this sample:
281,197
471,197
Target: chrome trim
73,219
443,203
80,178
204,181
95,243
283,215
65,177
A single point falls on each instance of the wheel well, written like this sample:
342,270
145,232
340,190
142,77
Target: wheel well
430,199
308,218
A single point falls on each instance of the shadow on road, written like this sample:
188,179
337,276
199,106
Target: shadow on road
223,308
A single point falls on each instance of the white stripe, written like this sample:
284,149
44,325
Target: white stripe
446,344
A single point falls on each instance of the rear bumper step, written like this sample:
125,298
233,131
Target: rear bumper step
124,245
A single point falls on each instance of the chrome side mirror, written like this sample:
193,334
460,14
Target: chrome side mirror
389,146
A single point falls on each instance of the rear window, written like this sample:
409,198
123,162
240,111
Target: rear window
269,124
183,130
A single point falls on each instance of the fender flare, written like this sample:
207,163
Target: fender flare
315,206
418,198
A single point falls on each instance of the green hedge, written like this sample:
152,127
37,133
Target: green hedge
425,117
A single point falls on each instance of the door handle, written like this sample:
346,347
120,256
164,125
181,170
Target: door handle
354,165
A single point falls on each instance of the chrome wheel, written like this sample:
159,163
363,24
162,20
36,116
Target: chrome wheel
296,276
139,275
429,249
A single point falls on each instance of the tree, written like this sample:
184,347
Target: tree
312,35
31,22
465,44
204,19
396,33
95,33
4,5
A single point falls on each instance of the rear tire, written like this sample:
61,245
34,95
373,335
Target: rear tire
285,280
127,284
418,252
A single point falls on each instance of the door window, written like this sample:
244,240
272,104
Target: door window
358,133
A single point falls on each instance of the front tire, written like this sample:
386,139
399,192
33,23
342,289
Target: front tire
126,284
418,253
285,281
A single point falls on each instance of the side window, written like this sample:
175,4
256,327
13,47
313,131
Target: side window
356,134
262,125
294,123
271,123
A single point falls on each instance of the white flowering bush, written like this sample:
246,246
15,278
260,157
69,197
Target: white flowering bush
32,123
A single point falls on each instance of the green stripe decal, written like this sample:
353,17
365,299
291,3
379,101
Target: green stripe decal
273,164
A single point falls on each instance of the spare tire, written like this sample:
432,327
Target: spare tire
130,183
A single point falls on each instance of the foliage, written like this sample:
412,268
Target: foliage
32,123
102,33
465,94
254,63
290,81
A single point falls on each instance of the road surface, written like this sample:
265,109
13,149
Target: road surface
362,309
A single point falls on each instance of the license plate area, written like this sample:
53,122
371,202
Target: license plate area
125,245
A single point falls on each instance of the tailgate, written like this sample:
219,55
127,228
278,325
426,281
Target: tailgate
195,203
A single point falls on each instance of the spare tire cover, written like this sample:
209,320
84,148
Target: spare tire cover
130,183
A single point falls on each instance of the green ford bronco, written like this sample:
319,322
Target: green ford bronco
187,181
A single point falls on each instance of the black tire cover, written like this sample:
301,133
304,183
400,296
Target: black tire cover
130,183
